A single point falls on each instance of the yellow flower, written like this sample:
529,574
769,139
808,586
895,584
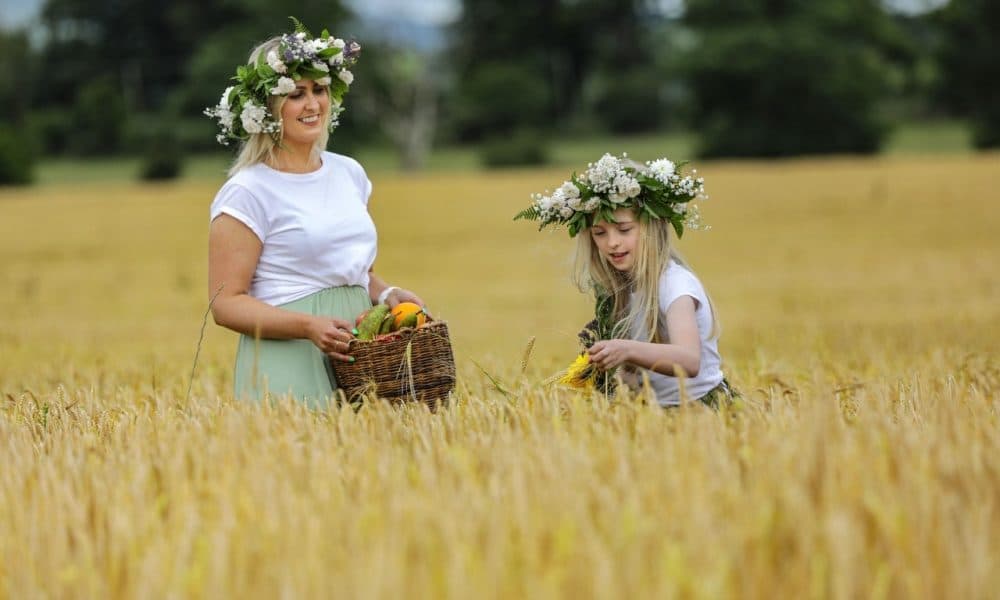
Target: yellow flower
580,374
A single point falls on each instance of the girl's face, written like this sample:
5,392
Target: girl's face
303,115
617,242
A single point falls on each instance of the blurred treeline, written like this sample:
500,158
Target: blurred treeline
749,78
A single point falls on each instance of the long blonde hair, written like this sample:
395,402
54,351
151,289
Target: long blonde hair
262,147
593,274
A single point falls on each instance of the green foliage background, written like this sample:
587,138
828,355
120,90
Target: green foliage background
757,78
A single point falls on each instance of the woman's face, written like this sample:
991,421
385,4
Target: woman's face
617,242
303,115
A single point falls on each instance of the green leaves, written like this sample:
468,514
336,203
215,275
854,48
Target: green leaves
299,27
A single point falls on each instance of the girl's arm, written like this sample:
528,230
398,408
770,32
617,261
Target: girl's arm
233,253
682,354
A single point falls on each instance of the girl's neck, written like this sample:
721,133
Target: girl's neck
297,159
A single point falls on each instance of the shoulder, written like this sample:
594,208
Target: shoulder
236,188
677,281
352,168
344,162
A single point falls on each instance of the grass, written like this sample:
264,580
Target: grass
860,313
929,138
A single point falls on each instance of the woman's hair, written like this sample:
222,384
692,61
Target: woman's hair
260,147
653,255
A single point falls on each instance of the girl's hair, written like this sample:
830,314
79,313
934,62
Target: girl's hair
592,273
260,147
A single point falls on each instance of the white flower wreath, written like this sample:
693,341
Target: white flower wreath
242,110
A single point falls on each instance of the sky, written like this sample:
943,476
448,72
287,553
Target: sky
16,13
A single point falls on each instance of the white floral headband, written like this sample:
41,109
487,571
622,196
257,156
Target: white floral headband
242,110
657,190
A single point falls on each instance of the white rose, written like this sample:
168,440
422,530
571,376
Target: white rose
275,63
324,80
224,101
321,67
337,43
251,126
570,190
286,85
252,117
346,76
633,189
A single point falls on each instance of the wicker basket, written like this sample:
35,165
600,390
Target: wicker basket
415,365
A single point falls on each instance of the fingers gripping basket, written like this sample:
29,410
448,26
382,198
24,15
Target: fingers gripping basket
410,365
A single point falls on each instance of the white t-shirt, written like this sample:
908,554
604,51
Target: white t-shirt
315,227
675,282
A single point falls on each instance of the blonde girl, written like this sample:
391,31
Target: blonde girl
658,322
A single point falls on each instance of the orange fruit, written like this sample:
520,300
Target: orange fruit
408,314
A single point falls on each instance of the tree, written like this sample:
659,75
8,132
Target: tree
17,150
969,65
172,61
787,77
398,92
539,64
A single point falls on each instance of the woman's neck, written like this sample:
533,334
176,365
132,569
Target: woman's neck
297,159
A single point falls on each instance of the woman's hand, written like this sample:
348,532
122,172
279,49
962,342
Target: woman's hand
332,337
400,295
608,354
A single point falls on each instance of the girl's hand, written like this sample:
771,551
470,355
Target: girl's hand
400,295
332,337
608,354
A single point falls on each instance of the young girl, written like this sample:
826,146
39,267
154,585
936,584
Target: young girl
655,319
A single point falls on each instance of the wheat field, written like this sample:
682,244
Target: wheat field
860,305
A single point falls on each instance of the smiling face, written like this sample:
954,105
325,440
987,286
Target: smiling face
617,242
304,114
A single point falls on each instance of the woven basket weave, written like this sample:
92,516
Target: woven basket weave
416,366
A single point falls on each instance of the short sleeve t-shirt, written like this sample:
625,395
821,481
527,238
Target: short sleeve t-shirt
315,227
676,282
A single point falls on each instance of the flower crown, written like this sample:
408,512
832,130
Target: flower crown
242,111
657,190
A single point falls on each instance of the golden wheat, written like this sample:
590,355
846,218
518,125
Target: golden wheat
860,308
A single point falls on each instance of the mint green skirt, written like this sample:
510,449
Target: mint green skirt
275,368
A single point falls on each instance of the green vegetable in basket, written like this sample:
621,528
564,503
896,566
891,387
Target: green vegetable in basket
369,326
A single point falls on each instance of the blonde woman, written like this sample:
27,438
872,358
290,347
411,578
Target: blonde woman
291,242
655,319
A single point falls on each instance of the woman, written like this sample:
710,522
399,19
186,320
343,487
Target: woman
291,243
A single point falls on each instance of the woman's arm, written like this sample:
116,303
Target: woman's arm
376,285
233,253
682,354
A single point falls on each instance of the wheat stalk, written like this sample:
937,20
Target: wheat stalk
201,337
